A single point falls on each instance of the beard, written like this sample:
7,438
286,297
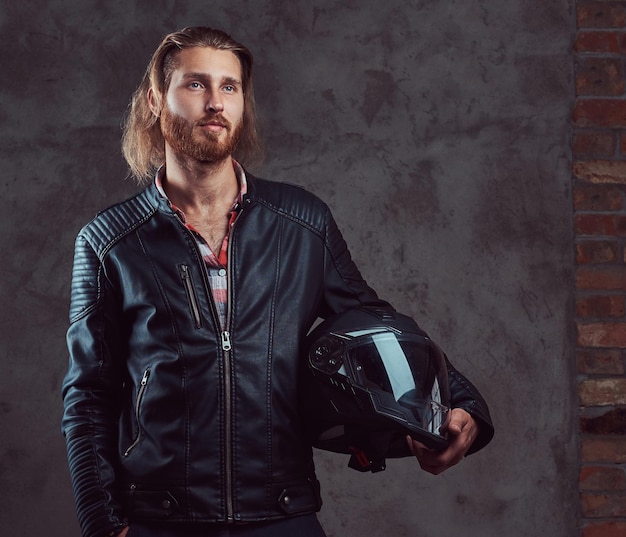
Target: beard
205,146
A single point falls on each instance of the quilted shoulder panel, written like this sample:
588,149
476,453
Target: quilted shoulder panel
94,242
117,221
293,202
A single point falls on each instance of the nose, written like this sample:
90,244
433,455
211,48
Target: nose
214,102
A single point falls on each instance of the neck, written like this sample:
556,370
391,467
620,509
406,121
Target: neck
193,185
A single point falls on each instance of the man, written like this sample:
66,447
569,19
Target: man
189,306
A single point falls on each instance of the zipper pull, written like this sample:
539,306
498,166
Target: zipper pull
144,379
226,346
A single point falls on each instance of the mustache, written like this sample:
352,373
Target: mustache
213,119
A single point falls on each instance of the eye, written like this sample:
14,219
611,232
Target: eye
194,85
230,88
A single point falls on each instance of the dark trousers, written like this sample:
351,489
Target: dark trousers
301,526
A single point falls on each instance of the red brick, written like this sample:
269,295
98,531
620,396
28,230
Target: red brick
601,278
591,197
597,41
612,450
600,362
603,505
602,335
599,15
596,252
602,392
600,307
599,76
604,529
622,143
621,37
612,421
589,112
620,225
601,171
594,224
594,144
602,478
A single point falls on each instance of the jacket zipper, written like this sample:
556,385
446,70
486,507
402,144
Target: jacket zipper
228,409
226,344
185,275
228,449
142,389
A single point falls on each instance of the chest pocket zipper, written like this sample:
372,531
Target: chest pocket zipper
140,394
185,275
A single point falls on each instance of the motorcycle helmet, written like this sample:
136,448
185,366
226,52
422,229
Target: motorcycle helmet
371,377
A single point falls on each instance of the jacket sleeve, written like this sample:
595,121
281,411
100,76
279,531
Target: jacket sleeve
463,394
91,388
344,287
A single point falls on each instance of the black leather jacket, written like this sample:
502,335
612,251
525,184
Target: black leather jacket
168,415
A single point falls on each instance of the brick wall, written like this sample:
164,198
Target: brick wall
599,175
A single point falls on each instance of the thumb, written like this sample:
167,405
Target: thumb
456,424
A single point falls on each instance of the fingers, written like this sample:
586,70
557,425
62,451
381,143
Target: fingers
414,445
431,461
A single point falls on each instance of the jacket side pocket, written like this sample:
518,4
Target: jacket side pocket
140,394
192,299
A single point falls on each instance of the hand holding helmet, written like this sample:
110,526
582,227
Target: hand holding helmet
461,430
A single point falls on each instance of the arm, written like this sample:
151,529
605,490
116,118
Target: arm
464,395
344,286
470,427
91,392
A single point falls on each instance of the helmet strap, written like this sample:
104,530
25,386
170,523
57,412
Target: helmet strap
368,449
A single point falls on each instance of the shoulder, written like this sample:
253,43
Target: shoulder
290,200
116,221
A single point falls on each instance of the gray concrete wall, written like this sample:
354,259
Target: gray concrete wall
439,134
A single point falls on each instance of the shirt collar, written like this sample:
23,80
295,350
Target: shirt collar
239,173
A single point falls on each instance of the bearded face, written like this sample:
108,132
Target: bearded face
198,140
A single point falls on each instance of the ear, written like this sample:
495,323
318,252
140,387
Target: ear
154,101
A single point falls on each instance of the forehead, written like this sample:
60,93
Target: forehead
207,61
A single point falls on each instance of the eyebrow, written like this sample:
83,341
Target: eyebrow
204,76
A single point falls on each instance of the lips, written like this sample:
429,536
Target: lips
214,124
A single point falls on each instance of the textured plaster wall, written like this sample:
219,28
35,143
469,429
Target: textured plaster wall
439,134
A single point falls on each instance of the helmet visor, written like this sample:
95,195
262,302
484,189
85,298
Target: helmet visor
405,374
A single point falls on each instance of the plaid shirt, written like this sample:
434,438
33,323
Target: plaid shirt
216,264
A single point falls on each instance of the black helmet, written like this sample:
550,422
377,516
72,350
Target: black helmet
372,376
